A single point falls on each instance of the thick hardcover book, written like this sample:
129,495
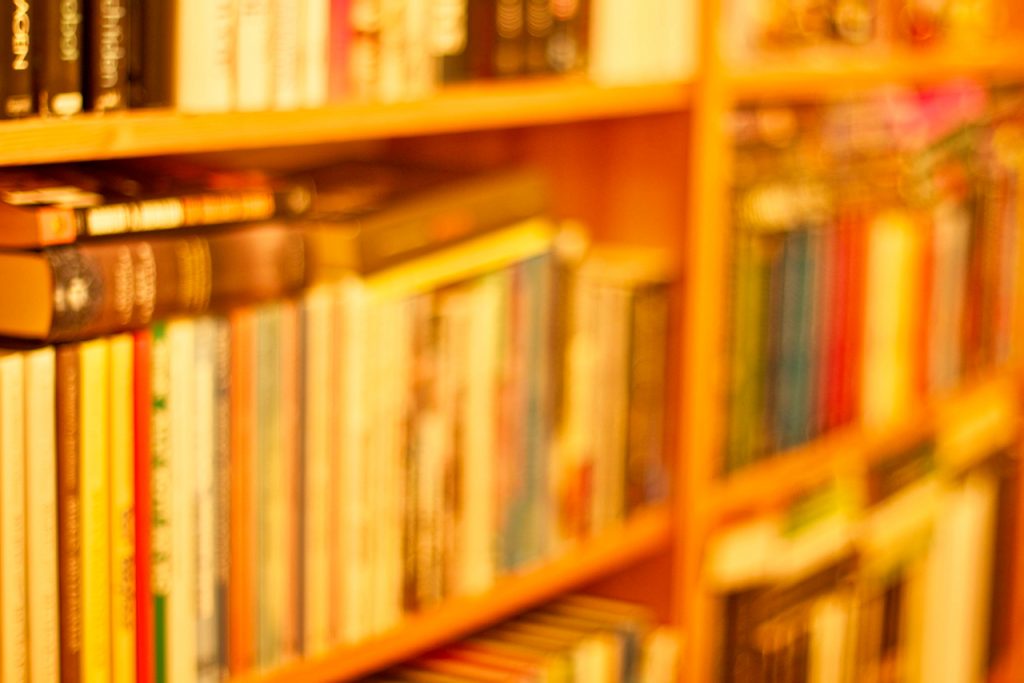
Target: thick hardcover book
254,58
78,291
106,75
206,64
60,59
18,72
151,53
69,537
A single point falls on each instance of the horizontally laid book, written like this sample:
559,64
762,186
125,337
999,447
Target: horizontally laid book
52,205
367,217
83,290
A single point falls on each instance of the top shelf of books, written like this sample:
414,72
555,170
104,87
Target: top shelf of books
460,108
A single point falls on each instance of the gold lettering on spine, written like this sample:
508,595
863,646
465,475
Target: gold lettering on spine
70,19
19,35
111,41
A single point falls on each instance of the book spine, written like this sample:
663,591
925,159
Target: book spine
205,58
315,46
41,513
106,85
254,56
181,613
13,606
222,474
142,359
204,402
509,55
69,536
284,58
364,48
19,68
94,409
290,481
338,67
242,594
151,53
60,74
538,23
316,497
160,506
449,40
122,509
129,284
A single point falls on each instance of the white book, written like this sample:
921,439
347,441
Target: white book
205,58
13,603
320,346
254,56
285,37
394,43
182,609
205,383
41,515
314,55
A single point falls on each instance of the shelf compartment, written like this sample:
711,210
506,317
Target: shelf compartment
981,416
646,534
806,76
458,108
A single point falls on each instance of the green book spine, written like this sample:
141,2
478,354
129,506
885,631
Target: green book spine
161,495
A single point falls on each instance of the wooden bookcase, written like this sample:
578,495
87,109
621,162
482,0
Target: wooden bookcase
646,164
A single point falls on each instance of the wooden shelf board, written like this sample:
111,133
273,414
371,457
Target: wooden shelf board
458,108
772,482
815,75
646,534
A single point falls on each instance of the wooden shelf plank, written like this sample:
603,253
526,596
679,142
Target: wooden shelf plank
461,108
771,482
836,73
646,534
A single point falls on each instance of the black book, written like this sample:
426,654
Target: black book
108,38
17,83
60,57
150,52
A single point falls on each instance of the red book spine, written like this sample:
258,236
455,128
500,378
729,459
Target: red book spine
927,304
831,377
144,659
338,67
854,334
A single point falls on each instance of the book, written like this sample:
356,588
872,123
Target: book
151,54
161,490
315,46
60,59
77,291
108,39
205,65
14,608
254,76
69,536
41,514
94,473
206,529
124,637
18,96
142,393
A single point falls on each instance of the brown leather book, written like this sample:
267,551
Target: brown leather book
106,74
81,291
69,537
60,57
19,59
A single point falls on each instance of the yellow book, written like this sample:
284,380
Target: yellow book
122,508
41,514
94,461
13,641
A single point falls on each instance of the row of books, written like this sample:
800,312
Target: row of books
221,493
577,638
899,577
872,266
68,56
759,28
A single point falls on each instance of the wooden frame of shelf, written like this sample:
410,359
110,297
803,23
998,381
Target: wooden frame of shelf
646,534
455,109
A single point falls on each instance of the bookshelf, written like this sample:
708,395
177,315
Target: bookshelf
643,163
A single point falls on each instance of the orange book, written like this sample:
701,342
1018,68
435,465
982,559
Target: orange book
241,599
